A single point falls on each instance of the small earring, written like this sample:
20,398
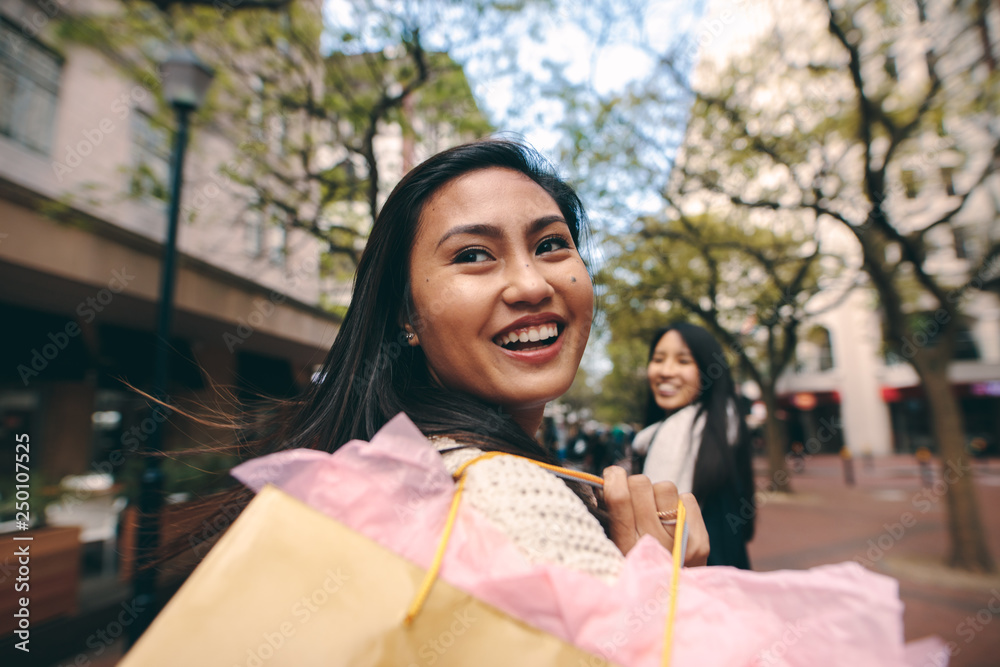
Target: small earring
409,337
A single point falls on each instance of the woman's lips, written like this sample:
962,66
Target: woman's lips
536,355
529,334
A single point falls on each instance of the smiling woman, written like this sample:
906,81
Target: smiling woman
471,309
695,436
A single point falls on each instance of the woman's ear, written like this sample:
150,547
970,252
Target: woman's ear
405,318
410,335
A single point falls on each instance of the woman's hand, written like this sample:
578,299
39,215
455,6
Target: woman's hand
632,502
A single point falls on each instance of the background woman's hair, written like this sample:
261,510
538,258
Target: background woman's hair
719,463
371,374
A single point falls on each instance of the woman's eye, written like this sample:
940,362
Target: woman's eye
471,256
550,244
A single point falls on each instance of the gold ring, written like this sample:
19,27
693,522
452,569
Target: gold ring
666,515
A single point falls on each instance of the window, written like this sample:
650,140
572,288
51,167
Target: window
150,158
254,232
815,351
965,344
266,235
279,244
961,242
965,242
820,337
948,179
911,184
890,67
29,89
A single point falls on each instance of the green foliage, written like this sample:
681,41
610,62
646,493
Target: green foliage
143,182
304,101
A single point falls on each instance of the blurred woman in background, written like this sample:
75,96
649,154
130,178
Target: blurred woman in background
696,438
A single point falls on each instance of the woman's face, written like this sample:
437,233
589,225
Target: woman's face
503,303
673,374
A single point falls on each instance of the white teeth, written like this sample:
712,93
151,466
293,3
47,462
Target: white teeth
531,334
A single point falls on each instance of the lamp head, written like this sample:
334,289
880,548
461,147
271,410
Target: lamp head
185,79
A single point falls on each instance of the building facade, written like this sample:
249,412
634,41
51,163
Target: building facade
80,250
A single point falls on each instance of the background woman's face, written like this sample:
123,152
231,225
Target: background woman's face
673,373
503,301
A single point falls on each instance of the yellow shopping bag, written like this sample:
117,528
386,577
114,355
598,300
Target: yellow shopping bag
287,585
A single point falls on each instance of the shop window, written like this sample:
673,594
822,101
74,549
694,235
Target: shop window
29,89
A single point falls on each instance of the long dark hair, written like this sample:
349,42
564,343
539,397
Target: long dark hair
371,374
719,463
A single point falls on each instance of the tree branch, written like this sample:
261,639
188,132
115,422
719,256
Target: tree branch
226,5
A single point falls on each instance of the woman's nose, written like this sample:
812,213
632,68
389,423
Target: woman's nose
526,284
666,369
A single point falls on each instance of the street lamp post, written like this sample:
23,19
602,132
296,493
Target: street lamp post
185,82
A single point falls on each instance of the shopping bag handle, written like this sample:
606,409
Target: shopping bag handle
432,571
680,543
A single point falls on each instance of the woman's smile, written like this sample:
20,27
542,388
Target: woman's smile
673,374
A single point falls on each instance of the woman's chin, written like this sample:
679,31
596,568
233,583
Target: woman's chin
670,404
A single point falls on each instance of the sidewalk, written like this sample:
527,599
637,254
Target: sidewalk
893,524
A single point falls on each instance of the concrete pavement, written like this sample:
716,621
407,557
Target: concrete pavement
893,522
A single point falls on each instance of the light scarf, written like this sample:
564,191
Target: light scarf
672,455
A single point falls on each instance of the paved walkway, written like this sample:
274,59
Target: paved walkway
894,524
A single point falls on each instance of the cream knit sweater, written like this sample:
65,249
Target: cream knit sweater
540,514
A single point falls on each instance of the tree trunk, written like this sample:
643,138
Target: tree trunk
777,445
968,550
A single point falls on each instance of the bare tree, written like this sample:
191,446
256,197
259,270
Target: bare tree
880,118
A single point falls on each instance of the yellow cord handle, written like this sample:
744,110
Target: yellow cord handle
679,530
432,572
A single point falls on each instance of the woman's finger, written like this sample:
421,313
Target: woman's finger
665,494
698,545
618,502
644,507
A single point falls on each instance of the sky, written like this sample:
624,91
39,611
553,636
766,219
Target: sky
604,67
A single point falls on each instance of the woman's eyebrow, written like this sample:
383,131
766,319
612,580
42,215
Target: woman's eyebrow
494,231
482,229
